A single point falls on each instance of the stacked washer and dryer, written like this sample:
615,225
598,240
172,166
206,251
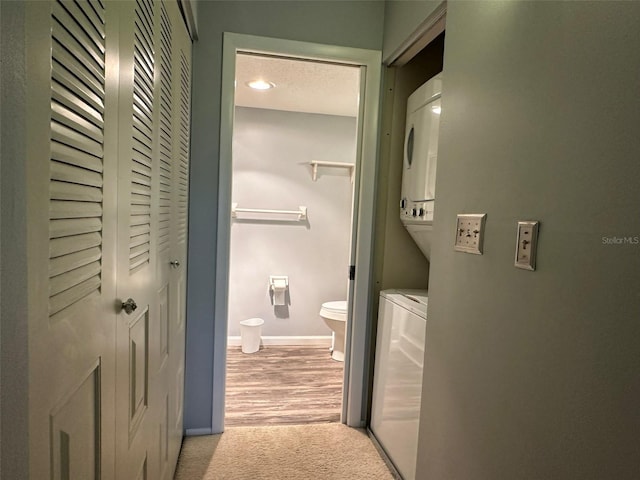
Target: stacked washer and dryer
402,316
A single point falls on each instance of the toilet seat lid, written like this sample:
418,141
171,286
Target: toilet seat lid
339,306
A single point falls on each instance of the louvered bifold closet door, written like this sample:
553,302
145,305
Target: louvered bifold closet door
107,179
180,203
165,139
139,396
71,191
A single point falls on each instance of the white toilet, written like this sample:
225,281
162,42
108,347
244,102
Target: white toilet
334,315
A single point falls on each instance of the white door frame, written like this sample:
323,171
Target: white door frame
356,383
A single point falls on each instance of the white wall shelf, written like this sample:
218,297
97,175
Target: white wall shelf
320,163
301,213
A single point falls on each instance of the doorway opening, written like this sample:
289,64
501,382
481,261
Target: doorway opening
293,164
282,290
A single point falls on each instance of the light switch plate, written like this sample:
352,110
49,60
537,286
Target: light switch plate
527,245
470,233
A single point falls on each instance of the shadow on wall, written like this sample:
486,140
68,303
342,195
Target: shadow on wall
281,311
262,221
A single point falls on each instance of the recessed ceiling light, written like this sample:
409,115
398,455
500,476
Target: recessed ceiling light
260,84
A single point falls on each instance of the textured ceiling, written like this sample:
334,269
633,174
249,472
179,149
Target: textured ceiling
301,86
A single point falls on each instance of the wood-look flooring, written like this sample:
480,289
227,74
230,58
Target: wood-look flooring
280,385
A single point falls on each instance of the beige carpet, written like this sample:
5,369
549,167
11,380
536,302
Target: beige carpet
319,451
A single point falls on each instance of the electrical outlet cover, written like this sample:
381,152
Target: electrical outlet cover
470,233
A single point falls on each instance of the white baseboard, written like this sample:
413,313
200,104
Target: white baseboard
314,340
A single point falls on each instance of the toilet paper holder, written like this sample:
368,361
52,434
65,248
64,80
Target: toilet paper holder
278,285
278,282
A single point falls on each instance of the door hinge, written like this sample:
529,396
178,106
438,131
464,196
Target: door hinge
352,272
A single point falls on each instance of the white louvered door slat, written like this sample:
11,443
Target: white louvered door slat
165,131
77,126
143,125
183,176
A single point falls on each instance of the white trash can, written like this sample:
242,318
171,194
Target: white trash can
250,332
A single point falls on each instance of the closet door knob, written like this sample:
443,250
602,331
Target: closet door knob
174,263
129,306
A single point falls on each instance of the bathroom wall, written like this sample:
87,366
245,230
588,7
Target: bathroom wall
271,154
535,375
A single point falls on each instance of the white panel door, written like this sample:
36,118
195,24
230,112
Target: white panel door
71,250
173,81
137,447
165,141
182,126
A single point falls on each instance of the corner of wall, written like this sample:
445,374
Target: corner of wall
14,441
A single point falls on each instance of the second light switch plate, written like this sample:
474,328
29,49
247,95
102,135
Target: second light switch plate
527,245
470,233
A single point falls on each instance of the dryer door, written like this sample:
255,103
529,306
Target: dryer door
420,153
